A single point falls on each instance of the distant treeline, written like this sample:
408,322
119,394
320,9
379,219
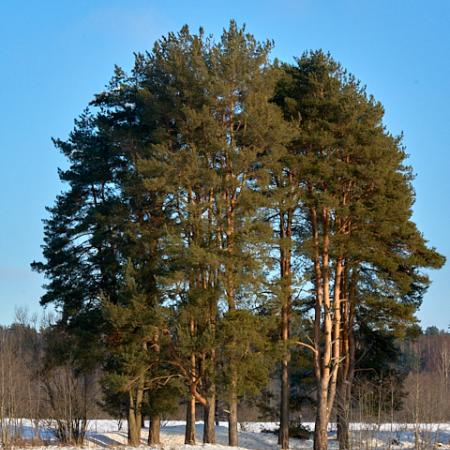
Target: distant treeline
38,384
226,218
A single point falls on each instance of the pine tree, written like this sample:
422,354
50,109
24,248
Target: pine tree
355,217
132,112
81,239
224,123
248,127
203,188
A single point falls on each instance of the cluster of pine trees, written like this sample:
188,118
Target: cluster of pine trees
223,209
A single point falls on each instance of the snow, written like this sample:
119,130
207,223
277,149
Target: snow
113,434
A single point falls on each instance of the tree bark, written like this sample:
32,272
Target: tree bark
189,437
190,408
231,300
346,370
209,406
154,430
285,272
342,416
321,423
209,429
216,406
336,334
343,396
233,413
134,420
327,324
284,407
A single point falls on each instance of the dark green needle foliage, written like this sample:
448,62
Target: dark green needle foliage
216,201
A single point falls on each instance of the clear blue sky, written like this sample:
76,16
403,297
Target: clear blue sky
55,54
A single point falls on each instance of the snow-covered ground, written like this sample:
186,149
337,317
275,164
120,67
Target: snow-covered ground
110,434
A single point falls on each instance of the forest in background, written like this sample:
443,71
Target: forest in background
229,219
36,384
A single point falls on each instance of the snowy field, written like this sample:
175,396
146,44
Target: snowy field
112,434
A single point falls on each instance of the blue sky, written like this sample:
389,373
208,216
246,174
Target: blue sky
55,54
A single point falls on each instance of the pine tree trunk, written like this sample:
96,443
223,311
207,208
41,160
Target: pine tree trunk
284,408
189,437
342,415
283,437
233,414
343,398
216,410
285,272
209,429
154,430
209,411
231,300
190,407
133,426
321,423
139,401
346,371
343,431
322,334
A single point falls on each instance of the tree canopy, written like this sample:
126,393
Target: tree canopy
216,201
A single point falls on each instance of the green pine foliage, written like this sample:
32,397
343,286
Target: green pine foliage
216,202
